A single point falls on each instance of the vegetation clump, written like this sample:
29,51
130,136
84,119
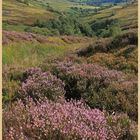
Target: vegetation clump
39,85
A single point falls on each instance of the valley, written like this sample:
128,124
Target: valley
70,69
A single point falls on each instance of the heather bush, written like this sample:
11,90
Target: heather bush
125,60
110,45
99,46
117,97
38,85
128,38
122,127
53,121
99,87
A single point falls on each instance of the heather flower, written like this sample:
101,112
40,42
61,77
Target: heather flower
88,71
100,87
50,120
41,84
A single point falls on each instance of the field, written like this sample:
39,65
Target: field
70,71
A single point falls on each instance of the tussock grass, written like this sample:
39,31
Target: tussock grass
29,54
32,54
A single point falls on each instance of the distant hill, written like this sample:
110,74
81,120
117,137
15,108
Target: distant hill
100,2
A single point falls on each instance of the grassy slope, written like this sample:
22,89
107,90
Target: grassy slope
27,54
60,4
17,16
31,54
15,12
63,5
127,15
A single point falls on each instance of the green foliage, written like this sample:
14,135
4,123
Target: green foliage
14,27
71,26
66,26
115,30
42,31
24,1
81,12
106,28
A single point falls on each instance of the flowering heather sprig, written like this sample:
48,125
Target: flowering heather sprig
41,84
49,120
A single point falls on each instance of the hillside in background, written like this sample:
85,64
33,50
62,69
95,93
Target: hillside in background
72,18
101,2
70,69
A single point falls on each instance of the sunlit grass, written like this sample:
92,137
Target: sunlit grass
29,54
32,54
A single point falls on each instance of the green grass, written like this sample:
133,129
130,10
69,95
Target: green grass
29,54
14,27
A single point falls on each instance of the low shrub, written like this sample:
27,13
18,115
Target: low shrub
110,45
42,31
99,87
128,38
66,26
122,127
106,28
99,46
39,85
125,60
53,121
12,73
